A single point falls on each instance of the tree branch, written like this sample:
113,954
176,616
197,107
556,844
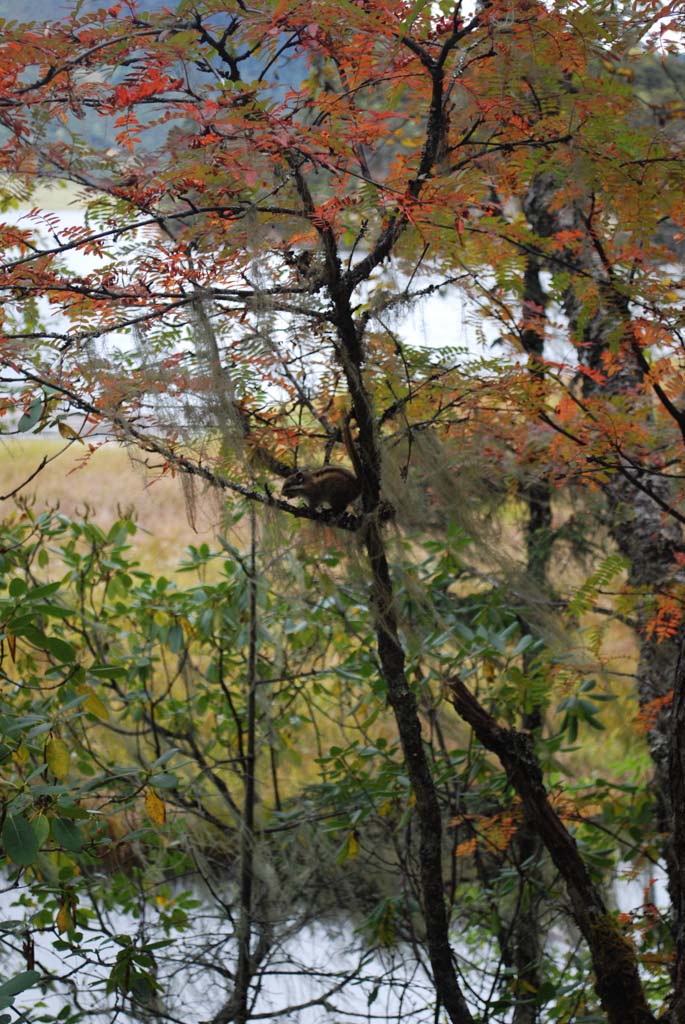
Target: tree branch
617,980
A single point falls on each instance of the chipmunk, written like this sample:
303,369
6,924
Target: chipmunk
329,485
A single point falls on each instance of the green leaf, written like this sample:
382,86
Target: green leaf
175,638
27,979
67,834
166,756
46,590
164,780
17,587
20,840
62,650
523,644
31,416
41,827
107,671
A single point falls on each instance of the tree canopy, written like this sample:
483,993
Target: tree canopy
375,711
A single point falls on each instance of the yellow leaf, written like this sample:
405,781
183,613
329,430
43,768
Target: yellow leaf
12,644
154,806
57,757
64,920
187,626
94,705
21,754
352,844
68,432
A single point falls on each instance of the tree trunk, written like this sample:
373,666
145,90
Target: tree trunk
637,501
677,865
527,847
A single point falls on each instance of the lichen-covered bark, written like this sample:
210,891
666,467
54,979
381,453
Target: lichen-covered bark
526,933
403,704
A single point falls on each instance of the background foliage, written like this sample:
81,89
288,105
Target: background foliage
409,761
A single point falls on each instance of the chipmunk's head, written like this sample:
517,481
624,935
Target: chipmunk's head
295,484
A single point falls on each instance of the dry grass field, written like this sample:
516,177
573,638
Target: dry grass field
109,484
